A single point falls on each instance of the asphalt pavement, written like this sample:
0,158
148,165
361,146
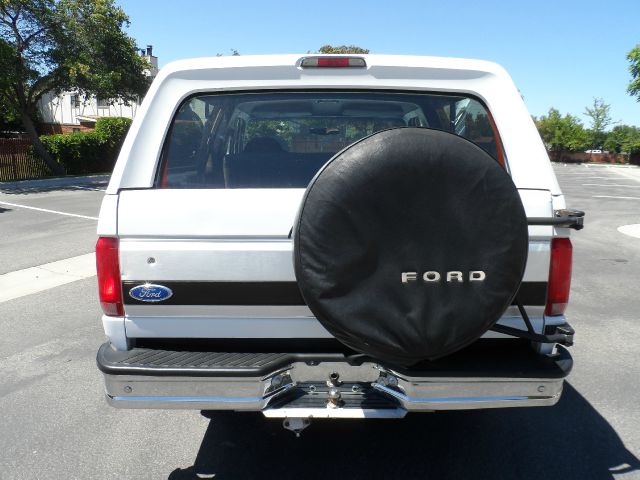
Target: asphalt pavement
55,423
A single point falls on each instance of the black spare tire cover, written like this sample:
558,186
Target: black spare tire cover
391,208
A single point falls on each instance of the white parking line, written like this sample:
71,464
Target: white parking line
48,211
43,277
93,189
612,196
632,174
608,185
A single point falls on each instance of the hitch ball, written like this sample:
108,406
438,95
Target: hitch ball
334,398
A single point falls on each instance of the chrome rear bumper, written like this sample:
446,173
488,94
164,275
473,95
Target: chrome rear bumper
288,386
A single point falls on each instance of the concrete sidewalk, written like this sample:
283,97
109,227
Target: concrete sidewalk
97,181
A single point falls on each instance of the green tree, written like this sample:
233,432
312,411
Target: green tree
561,132
61,45
634,67
343,49
600,121
623,139
9,118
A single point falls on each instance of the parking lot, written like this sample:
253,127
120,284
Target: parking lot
56,424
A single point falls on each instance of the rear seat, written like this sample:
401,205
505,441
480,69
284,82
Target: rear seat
269,169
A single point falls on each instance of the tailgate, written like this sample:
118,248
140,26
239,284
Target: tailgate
226,255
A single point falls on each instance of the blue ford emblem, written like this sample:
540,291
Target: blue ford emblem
150,293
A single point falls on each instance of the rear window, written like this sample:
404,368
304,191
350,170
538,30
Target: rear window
280,140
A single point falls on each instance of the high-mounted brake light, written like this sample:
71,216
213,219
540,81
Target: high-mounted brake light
333,62
109,288
559,276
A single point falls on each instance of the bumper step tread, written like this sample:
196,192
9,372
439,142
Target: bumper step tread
165,362
508,359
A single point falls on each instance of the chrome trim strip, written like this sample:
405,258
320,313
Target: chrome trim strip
219,311
221,400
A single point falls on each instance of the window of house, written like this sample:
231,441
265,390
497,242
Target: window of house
103,103
75,101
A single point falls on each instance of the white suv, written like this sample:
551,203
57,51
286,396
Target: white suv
334,236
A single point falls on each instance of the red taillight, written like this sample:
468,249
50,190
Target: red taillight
109,288
559,276
333,62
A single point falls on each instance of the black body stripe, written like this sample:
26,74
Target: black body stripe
223,293
270,293
532,293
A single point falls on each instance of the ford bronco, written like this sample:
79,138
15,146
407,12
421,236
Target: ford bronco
334,236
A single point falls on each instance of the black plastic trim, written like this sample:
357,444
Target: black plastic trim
196,363
485,358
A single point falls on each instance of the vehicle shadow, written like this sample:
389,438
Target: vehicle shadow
568,441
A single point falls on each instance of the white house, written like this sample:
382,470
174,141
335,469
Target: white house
71,112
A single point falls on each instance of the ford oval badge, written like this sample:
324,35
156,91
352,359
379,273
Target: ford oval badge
150,293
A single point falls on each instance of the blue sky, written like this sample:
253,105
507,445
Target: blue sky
560,53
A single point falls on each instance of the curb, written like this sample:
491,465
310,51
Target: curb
598,165
612,165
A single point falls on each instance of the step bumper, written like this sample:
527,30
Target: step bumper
329,385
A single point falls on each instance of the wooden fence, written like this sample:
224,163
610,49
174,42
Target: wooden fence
17,162
583,157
